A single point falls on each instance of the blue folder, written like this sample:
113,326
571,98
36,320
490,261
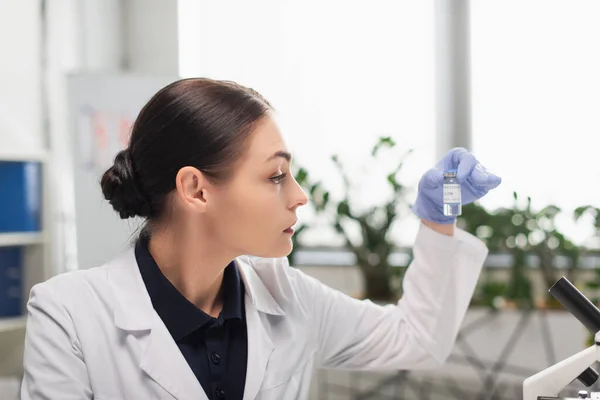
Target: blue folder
11,281
20,196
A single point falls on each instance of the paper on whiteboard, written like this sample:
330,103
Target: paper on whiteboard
101,135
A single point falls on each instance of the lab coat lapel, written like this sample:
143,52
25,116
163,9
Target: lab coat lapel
164,363
161,359
260,306
260,348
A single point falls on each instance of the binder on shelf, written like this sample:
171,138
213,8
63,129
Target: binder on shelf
11,281
20,196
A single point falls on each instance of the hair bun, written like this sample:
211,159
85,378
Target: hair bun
121,189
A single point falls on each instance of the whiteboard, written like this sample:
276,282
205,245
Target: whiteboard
102,109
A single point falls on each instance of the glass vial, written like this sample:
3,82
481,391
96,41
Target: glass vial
452,195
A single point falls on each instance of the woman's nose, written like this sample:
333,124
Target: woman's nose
300,197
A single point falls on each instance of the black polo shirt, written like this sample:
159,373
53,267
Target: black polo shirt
216,349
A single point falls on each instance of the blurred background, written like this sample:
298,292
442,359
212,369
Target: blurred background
370,95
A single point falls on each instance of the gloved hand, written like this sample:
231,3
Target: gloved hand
475,182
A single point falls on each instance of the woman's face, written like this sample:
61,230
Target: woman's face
251,214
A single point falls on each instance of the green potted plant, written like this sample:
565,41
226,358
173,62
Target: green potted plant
521,231
374,224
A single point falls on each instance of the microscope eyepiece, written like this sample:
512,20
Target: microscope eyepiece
577,304
582,309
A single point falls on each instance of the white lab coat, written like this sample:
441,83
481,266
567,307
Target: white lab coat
94,333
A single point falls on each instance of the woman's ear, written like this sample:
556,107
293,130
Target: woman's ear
191,187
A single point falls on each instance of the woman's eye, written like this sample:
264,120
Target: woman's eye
278,179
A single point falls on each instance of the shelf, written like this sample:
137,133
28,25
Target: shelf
12,324
23,156
20,239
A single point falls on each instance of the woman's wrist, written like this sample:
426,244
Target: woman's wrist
444,229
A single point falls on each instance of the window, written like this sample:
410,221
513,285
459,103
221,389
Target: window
536,96
340,74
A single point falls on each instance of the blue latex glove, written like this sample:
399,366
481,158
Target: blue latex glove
475,182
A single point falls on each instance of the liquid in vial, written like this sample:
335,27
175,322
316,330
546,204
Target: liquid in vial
452,195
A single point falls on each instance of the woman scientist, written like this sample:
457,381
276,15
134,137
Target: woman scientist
204,305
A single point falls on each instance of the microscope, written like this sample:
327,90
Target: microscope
551,381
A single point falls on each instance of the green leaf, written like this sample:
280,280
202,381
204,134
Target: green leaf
325,198
338,227
549,211
343,209
580,211
593,285
391,178
383,142
302,176
319,197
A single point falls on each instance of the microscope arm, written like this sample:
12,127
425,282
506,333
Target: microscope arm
552,380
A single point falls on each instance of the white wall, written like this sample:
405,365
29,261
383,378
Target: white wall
151,33
20,84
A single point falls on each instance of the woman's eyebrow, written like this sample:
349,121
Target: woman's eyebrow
282,154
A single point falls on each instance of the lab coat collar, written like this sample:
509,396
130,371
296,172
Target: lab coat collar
133,308
261,297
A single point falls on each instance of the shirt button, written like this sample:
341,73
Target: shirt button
216,358
220,393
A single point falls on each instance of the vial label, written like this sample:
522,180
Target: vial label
452,193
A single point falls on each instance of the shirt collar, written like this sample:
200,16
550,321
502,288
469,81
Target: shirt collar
180,316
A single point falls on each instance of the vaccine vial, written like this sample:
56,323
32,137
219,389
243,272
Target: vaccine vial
452,195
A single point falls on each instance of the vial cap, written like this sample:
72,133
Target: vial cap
450,173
